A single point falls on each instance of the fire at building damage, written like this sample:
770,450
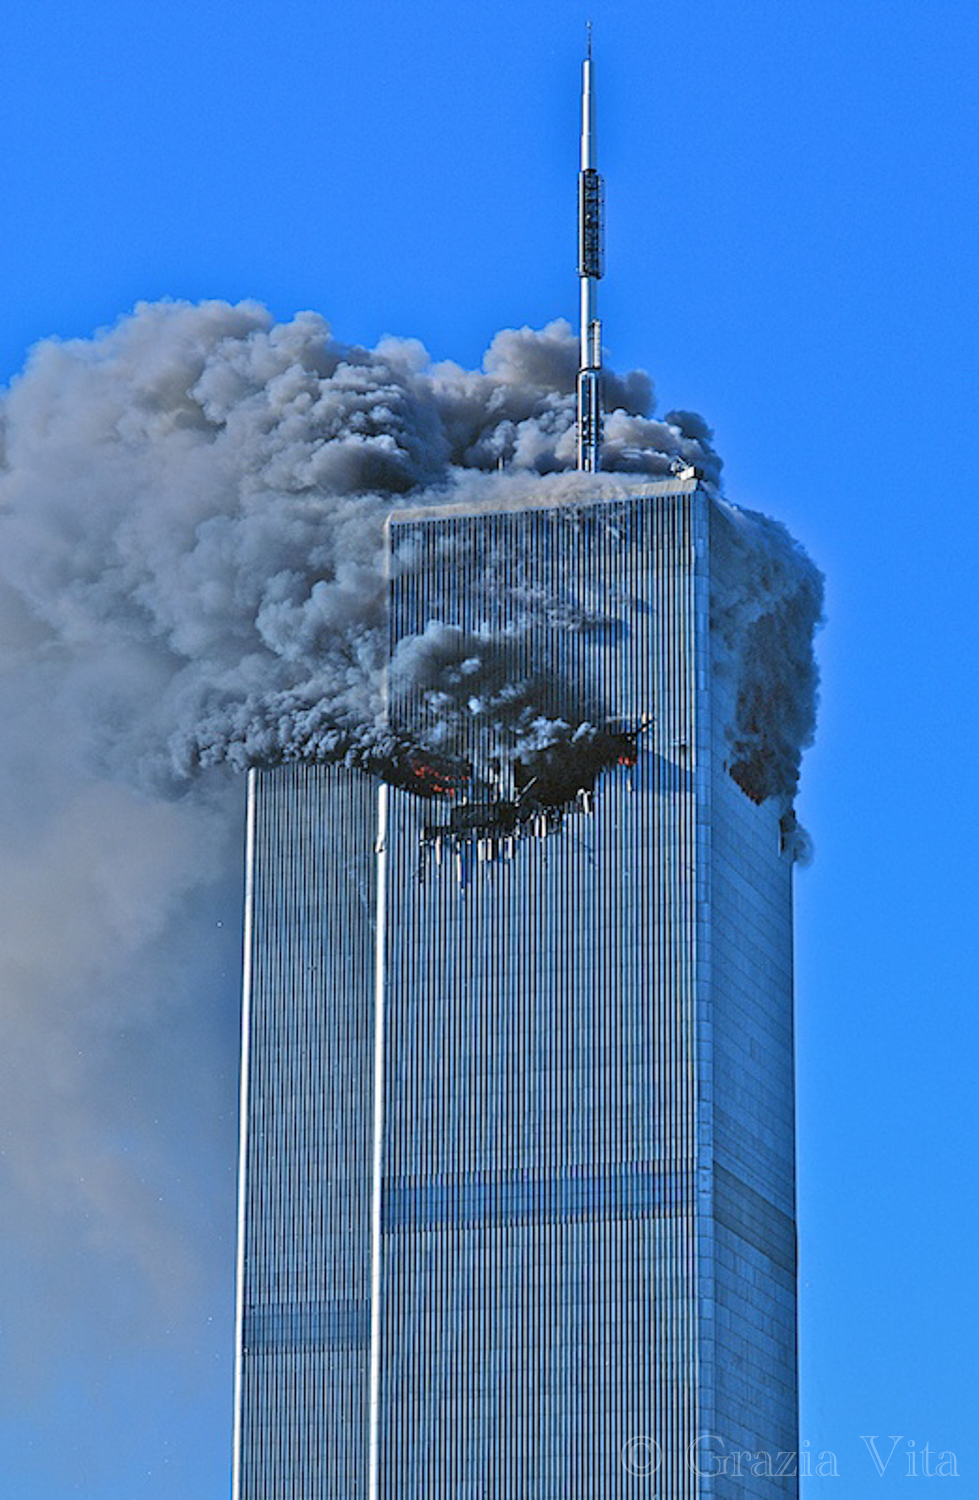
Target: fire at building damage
531,796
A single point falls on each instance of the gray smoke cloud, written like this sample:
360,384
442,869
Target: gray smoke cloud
763,623
192,577
191,504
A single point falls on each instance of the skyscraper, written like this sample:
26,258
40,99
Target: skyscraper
517,1173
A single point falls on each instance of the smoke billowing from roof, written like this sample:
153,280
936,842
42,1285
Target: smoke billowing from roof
191,510
191,536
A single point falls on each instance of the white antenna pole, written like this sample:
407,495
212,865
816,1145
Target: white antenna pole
590,254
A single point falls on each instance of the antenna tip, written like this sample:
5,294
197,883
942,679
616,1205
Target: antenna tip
588,29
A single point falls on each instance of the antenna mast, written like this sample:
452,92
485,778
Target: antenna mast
590,256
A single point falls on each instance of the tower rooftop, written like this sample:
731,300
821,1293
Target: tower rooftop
577,490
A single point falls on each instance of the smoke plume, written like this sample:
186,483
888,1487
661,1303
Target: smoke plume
764,617
191,507
191,576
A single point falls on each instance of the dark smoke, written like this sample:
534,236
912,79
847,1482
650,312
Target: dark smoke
765,614
191,514
191,507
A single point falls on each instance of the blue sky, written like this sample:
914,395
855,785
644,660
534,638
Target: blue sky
792,250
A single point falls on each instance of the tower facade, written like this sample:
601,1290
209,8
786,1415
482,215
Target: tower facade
517,1174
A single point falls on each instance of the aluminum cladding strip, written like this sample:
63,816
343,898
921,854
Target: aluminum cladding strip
243,1132
377,1161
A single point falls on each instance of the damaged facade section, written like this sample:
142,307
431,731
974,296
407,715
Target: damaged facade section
510,632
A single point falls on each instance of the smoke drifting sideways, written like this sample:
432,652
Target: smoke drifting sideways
191,510
192,578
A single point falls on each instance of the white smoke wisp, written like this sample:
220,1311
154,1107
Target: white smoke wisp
192,576
118,992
